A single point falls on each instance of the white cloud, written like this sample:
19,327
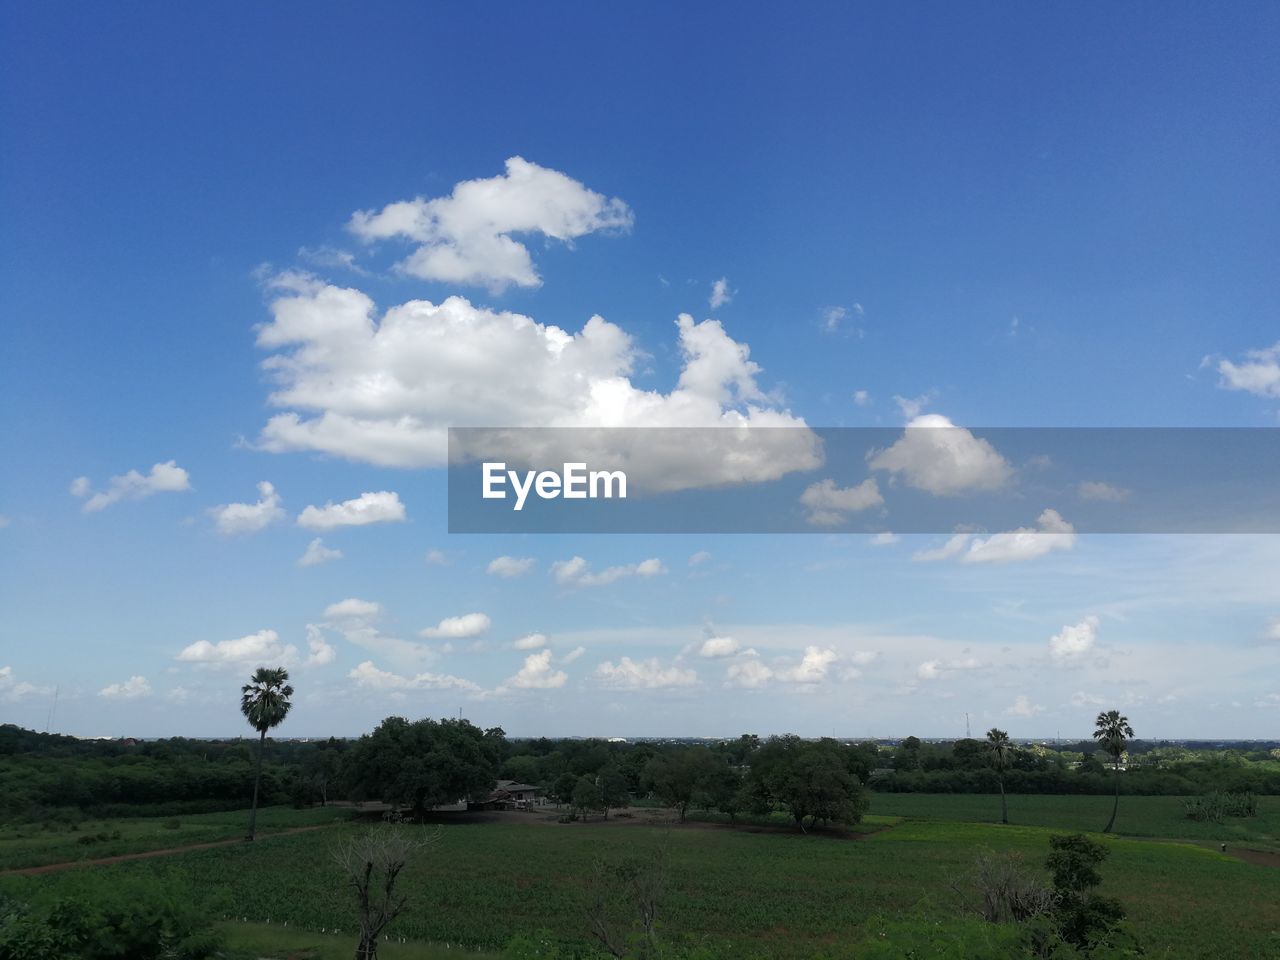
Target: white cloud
530,641
628,674
317,553
720,293
368,676
1023,707
536,674
812,668
936,456
257,649
436,558
933,669
719,647
1101,491
1273,629
132,689
386,392
861,397
699,558
381,507
1074,640
1051,533
505,566
884,539
832,317
750,674
232,518
12,689
1259,374
353,608
321,652
953,547
458,628
466,237
576,572
829,505
165,477
573,655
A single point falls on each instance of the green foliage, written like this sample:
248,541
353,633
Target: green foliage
1217,806
1085,919
96,920
811,780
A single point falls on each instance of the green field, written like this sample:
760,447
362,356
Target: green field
782,894
1139,816
32,845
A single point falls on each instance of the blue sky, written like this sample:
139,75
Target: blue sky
1013,216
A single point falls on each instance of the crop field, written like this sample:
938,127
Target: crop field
33,845
784,895
1139,816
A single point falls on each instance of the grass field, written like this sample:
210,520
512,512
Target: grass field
785,894
1139,816
28,845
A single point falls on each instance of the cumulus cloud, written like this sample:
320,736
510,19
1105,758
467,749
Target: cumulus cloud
829,505
12,689
536,674
383,506
936,456
628,674
719,647
132,689
505,566
576,572
368,676
386,391
1101,491
466,237
353,608
165,477
1051,533
317,553
861,397
1258,373
750,674
1074,640
812,668
320,651
530,641
1023,707
699,558
720,293
573,655
233,518
458,628
263,648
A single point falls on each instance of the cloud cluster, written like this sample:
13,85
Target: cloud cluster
576,572
458,628
13,689
381,507
829,505
369,677
233,518
134,688
263,648
1073,641
650,674
936,456
466,237
1258,373
812,668
317,553
1051,533
509,567
536,674
165,477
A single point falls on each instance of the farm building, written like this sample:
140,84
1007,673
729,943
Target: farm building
511,795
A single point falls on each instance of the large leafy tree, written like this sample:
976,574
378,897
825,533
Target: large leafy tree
425,763
264,701
1112,731
811,779
681,777
1000,753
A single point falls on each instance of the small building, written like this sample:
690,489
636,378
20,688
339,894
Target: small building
512,795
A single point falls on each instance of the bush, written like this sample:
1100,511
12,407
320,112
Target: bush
1218,805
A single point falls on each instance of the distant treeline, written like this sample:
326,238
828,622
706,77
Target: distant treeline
420,764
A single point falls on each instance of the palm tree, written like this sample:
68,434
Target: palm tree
1112,732
264,701
1000,753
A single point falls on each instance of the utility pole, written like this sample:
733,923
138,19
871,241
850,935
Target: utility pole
968,734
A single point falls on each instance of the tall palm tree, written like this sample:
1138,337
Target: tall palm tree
1000,753
1112,731
264,701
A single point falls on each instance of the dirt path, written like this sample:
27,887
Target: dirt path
146,854
1264,858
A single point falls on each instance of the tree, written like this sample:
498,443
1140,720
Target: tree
1084,918
614,788
425,763
678,777
1000,752
586,796
1112,731
264,701
371,863
811,779
622,903
562,789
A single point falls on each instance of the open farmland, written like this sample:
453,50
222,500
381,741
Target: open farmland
786,895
